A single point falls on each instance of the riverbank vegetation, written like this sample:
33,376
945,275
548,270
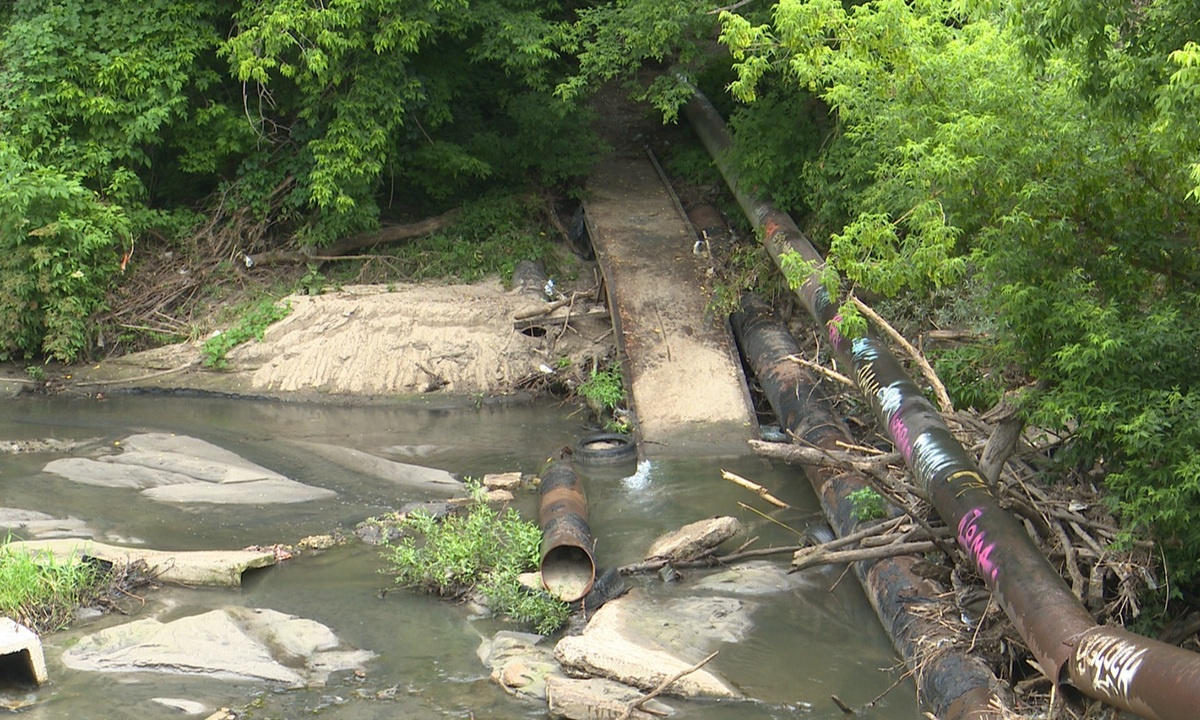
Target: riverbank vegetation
476,550
42,593
1025,174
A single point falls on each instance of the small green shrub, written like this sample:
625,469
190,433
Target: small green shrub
868,505
252,326
489,237
480,549
604,389
41,592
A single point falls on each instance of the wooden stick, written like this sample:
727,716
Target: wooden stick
818,368
792,453
707,560
1077,583
873,530
939,390
637,704
756,488
768,518
816,555
150,376
841,705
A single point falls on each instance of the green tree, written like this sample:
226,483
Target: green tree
89,92
306,120
953,155
428,97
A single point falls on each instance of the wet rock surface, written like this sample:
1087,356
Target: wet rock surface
219,568
180,469
33,523
693,539
233,643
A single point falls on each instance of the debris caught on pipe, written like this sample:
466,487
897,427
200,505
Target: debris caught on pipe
953,684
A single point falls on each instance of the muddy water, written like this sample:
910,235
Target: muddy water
818,640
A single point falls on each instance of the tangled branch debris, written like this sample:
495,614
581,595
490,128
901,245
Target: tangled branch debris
1068,520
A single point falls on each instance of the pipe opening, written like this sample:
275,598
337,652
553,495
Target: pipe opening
568,572
17,670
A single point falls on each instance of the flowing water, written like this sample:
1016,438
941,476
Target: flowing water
818,640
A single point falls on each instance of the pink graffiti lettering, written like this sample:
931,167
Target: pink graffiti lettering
900,437
1111,663
973,539
835,337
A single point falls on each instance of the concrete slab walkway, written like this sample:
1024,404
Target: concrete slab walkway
681,366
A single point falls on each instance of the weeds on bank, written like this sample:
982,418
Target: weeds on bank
41,592
251,326
489,237
604,392
478,549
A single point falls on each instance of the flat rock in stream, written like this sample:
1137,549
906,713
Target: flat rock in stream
641,642
408,474
31,523
519,663
597,699
218,568
233,644
526,669
181,469
759,577
693,539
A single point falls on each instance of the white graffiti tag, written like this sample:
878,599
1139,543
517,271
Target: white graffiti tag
1110,663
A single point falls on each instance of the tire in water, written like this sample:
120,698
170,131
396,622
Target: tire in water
605,449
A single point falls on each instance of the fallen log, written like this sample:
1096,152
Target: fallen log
815,555
386,235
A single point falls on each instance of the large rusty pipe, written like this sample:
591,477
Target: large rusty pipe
1151,678
567,566
954,684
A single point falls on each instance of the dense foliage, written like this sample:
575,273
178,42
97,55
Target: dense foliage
1047,154
314,119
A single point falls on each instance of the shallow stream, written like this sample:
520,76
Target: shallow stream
807,644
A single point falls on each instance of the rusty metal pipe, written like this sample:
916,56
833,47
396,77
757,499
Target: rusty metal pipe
1151,678
955,685
567,566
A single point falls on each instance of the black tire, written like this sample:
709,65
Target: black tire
605,449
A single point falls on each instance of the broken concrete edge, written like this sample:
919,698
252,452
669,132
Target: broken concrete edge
210,568
23,643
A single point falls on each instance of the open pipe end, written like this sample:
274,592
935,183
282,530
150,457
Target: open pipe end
568,572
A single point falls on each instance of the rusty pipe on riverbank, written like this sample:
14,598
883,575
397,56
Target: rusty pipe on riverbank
955,685
1151,678
567,566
